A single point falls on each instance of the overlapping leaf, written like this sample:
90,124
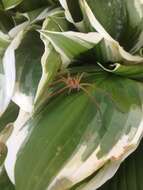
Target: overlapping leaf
8,72
28,69
78,140
77,46
14,143
9,116
129,175
86,140
116,17
27,5
5,183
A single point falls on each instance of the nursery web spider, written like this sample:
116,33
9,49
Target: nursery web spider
74,83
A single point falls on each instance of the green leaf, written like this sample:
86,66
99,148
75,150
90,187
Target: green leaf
129,175
132,71
112,18
90,46
4,42
5,183
62,153
9,4
14,143
51,59
73,9
28,69
33,16
29,5
6,21
9,116
6,128
73,13
51,62
118,19
7,76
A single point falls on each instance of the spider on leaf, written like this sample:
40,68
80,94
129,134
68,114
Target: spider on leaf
73,83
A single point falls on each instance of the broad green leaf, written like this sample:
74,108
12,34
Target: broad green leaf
132,71
111,17
51,62
9,4
4,135
72,10
62,153
51,59
29,5
73,13
14,143
57,22
28,69
89,46
8,72
6,21
9,116
33,16
5,183
38,14
129,175
6,128
118,19
4,42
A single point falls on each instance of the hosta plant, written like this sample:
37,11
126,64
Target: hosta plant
71,92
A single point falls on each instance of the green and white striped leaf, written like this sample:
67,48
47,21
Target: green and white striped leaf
5,183
62,153
4,42
130,71
14,143
73,13
9,116
6,22
6,128
28,69
24,4
9,4
8,72
30,5
119,21
111,18
129,175
51,59
35,15
79,46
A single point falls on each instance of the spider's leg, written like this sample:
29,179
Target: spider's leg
63,79
80,76
58,92
101,90
55,82
69,91
93,99
106,93
87,84
68,75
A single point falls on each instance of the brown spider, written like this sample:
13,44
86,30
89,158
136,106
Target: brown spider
74,83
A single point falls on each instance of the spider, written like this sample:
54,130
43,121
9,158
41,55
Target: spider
74,83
